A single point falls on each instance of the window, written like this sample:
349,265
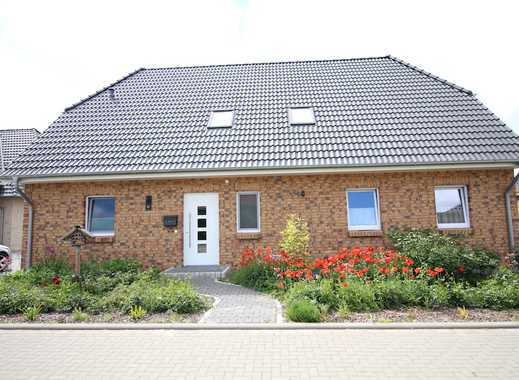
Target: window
451,207
301,115
363,211
221,119
248,212
100,215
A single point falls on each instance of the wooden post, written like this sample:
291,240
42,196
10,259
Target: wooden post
77,268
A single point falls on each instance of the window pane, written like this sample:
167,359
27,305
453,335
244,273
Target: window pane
302,115
248,211
101,215
202,248
362,208
202,223
220,119
202,235
449,206
201,210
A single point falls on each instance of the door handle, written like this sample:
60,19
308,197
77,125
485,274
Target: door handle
189,231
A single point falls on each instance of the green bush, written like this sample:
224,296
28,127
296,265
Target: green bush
318,292
358,296
431,249
160,296
255,276
303,311
115,285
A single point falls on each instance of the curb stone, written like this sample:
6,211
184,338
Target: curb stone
262,326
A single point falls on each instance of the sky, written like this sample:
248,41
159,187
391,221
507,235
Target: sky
55,53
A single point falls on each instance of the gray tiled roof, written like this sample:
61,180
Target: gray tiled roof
368,111
12,143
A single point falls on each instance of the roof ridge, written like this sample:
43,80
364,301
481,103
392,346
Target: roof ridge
270,62
103,89
426,73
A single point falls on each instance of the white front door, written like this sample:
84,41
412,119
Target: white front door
201,242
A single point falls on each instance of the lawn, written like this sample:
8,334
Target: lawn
108,291
425,276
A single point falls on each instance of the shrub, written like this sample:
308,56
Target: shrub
255,275
30,313
159,296
295,237
358,296
431,249
137,312
319,293
303,311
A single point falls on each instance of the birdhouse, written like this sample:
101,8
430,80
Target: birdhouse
77,238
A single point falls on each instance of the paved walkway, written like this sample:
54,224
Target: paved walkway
236,304
260,354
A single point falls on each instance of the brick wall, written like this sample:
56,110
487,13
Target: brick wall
406,199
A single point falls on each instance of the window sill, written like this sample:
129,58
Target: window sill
248,235
455,231
103,239
365,233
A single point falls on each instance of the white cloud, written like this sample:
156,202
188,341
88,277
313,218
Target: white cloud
54,53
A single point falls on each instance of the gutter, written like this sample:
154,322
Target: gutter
509,221
27,199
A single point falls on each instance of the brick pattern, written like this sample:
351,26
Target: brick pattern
261,354
406,199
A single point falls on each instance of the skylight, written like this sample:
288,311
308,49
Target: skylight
221,119
301,115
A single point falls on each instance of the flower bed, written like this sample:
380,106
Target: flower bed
372,279
110,291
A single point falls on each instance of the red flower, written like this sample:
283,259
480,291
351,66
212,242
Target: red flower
461,269
281,285
417,270
408,262
56,280
439,270
345,284
405,269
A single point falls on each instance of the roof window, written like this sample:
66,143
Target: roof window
301,116
221,119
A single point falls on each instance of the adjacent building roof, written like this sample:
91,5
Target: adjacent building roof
12,143
368,112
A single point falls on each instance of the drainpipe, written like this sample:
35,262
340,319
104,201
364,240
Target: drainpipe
509,221
29,229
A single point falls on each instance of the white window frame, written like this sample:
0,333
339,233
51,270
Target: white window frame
87,212
247,230
220,126
290,118
373,227
464,205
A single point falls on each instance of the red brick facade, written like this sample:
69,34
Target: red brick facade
406,199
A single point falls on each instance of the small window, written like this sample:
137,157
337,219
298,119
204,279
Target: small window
248,212
100,215
363,210
451,207
221,119
301,115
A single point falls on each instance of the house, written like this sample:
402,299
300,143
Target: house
12,143
189,165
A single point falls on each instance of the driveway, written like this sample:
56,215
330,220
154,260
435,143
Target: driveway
260,354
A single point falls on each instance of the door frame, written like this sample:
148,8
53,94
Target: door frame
187,251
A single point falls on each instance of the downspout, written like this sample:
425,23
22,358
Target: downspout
509,221
29,228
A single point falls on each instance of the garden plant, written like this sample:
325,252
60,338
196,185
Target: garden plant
424,269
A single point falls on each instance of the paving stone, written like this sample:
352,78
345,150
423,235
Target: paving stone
260,354
236,304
